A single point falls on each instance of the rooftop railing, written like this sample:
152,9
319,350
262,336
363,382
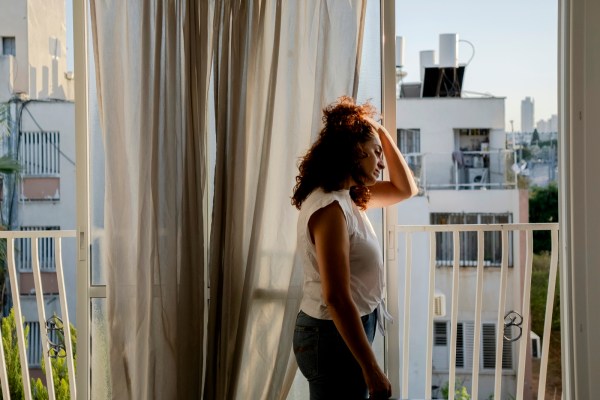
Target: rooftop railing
464,170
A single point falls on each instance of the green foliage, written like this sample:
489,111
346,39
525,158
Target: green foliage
539,292
60,372
543,207
460,391
535,137
11,354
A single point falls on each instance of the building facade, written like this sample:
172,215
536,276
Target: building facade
36,96
457,149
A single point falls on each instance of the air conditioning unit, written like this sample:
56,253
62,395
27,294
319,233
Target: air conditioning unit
439,305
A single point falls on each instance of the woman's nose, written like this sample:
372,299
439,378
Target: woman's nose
381,164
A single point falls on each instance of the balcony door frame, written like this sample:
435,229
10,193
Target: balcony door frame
576,57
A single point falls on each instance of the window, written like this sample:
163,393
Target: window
489,348
409,140
468,240
440,335
34,340
39,154
45,251
464,346
409,143
9,46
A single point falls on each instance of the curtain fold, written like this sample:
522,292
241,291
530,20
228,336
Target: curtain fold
278,63
153,61
275,64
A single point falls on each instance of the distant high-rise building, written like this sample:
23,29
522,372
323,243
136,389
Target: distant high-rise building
548,125
527,106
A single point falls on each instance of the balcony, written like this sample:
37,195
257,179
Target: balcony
490,352
427,295
464,170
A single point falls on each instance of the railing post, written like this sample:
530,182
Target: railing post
16,296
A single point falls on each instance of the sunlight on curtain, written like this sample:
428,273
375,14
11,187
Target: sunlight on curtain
277,67
153,62
277,64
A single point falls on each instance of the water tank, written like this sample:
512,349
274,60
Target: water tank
399,51
449,50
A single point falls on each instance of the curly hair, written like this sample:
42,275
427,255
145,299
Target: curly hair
335,155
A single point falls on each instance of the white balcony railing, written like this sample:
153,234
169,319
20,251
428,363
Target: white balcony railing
47,326
482,295
462,170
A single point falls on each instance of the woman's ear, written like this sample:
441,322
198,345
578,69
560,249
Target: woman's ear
361,151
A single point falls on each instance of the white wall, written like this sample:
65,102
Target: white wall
437,118
47,42
13,22
56,116
39,28
416,211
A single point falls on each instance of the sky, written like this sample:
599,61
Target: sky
515,47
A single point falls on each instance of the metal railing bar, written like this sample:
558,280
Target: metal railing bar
478,307
429,355
525,310
62,294
548,316
500,320
454,314
39,297
12,272
36,234
476,227
392,359
406,324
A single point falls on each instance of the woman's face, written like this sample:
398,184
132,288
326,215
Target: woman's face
371,164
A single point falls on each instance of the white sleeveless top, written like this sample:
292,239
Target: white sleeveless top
366,262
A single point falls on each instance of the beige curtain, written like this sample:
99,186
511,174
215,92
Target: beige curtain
276,65
153,62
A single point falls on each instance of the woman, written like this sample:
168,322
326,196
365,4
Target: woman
343,265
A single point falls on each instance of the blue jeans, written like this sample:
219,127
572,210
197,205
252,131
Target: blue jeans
325,360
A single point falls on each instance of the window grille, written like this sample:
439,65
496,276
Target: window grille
460,346
45,250
34,343
468,240
409,143
409,140
440,337
489,348
40,153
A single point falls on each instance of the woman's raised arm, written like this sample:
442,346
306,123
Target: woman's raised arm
401,184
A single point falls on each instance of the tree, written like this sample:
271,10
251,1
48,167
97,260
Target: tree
543,207
535,137
60,373
11,355
13,364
